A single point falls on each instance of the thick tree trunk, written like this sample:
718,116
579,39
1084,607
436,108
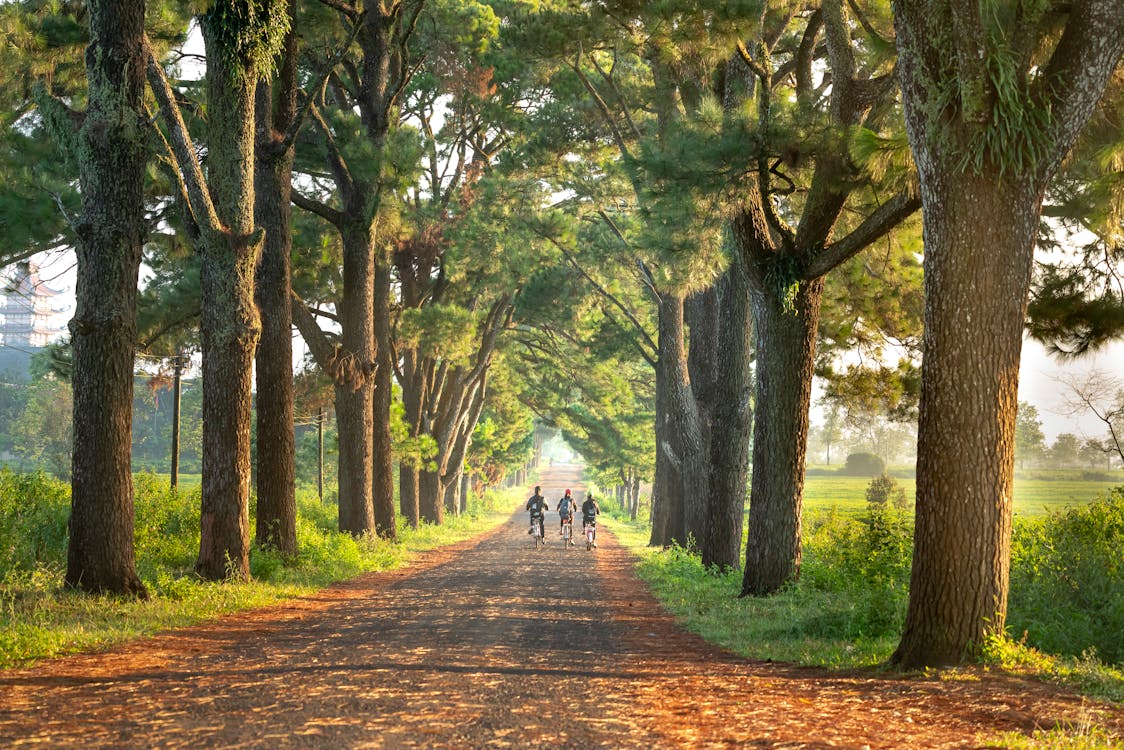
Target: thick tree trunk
666,485
382,491
453,494
432,497
691,434
100,556
979,245
732,415
786,349
672,418
276,452
355,386
408,493
230,325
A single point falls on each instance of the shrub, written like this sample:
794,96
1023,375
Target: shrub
1067,580
34,509
863,465
885,491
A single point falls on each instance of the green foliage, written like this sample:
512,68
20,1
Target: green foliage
885,491
1067,580
42,434
863,465
248,33
33,513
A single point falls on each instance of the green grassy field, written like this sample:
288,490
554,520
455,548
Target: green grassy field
1033,497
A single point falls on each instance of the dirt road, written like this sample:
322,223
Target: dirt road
492,643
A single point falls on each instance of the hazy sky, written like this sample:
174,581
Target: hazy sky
1038,384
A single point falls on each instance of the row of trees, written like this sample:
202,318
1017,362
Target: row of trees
600,214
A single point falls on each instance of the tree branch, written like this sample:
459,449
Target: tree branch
1076,75
882,220
324,211
604,293
606,113
202,209
336,162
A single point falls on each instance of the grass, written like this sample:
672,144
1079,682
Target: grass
41,619
1033,496
798,625
848,609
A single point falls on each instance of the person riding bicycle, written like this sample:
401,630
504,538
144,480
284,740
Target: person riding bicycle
567,506
590,511
536,504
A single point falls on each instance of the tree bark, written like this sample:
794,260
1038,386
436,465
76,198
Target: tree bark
230,324
687,422
669,526
969,395
980,226
432,497
408,493
100,555
786,348
355,390
382,491
276,526
732,422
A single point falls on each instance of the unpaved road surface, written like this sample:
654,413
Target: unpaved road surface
492,643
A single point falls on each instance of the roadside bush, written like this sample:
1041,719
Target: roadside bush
862,564
863,465
1067,580
34,509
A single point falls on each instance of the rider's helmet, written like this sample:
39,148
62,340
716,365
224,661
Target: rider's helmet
567,493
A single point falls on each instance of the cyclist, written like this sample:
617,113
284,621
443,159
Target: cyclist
536,504
566,508
590,511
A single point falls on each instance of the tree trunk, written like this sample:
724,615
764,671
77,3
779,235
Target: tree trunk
408,493
687,423
100,556
432,497
230,325
732,415
634,506
382,491
786,349
276,452
966,429
413,385
355,386
453,493
666,500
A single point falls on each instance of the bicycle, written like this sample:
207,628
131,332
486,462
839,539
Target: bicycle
568,533
590,529
536,532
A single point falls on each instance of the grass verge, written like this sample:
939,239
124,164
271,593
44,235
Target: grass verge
40,619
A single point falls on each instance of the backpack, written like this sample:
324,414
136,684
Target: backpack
566,506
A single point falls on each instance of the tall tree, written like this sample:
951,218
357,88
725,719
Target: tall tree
358,150
112,157
276,471
241,38
816,185
995,96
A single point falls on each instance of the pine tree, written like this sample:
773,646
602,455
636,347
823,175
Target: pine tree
995,94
